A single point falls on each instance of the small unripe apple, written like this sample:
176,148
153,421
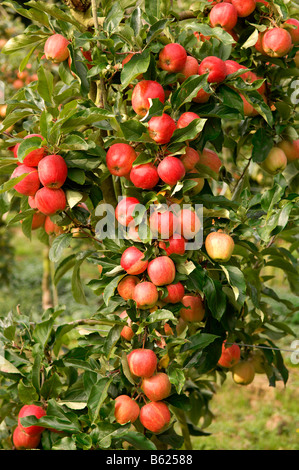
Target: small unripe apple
199,180
243,373
193,310
275,162
290,148
52,171
163,223
125,209
143,91
155,416
144,176
215,68
244,7
224,15
145,295
34,157
56,48
30,183
161,128
133,261
161,270
174,245
49,201
126,286
189,223
157,387
230,355
172,58
171,170
142,362
31,410
175,293
277,42
219,246
120,158
190,158
126,409
186,118
23,441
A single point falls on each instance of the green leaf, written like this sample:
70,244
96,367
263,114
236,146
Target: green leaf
138,440
237,282
42,331
262,143
177,377
27,393
137,65
189,132
110,288
160,315
59,244
45,84
198,341
27,146
113,18
97,396
65,265
111,340
188,90
134,131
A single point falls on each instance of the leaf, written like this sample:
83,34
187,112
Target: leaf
42,332
198,341
137,65
189,132
177,377
27,393
111,340
134,131
237,282
262,143
160,315
59,244
97,396
45,84
188,90
110,288
65,265
138,440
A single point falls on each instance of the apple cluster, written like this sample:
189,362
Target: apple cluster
28,437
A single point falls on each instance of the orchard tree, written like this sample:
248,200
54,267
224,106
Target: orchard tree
167,141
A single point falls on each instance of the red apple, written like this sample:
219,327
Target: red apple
175,293
244,7
189,223
224,15
161,270
210,159
127,333
145,295
259,43
200,182
174,245
125,209
172,58
230,355
126,409
143,91
171,170
34,157
290,148
193,309
157,387
23,441
155,416
275,162
161,128
190,158
49,201
126,286
144,176
31,410
56,48
190,68
186,118
142,362
294,32
202,96
52,171
219,246
215,68
120,158
132,261
38,220
163,223
248,109
30,183
31,202
277,42
51,228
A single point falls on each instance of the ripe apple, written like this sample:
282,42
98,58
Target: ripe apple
30,183
31,202
126,286
243,373
199,180
275,162
277,42
186,118
290,148
142,92
248,109
126,409
230,355
175,293
190,68
31,410
119,159
294,32
144,176
125,209
161,270
49,201
22,440
189,223
132,261
142,362
163,223
259,43
190,158
215,68
52,171
210,159
161,128
176,244
145,295
171,170
56,48
38,220
172,58
202,96
193,310
219,246
155,416
127,333
51,228
224,15
157,387
244,7
34,157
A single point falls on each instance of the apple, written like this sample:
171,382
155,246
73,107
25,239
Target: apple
23,441
51,228
142,92
126,286
200,183
275,162
176,244
243,373
219,246
290,148
224,15
49,201
175,293
259,43
248,109
215,68
193,310
230,355
34,157
56,48
161,128
210,159
202,96
277,42
172,58
38,220
132,261
189,223
190,158
155,416
31,410
52,171
249,77
244,7
157,387
120,158
186,118
125,210
127,333
126,409
190,68
171,170
161,270
18,84
142,362
30,183
144,176
294,32
31,202
258,361
163,223
145,295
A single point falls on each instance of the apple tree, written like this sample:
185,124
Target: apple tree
159,144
